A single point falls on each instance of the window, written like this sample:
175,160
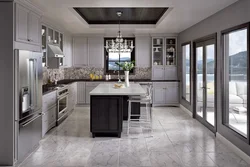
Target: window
236,79
112,58
186,71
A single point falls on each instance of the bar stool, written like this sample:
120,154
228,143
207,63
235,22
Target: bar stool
143,118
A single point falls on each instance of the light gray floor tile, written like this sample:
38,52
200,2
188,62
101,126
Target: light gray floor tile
103,159
163,159
175,140
227,160
129,159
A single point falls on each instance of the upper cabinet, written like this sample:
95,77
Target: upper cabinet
158,51
28,28
80,51
96,51
88,51
164,58
143,51
34,28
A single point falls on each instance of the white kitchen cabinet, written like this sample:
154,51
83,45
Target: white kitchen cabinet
49,110
159,93
164,58
28,26
172,94
80,51
67,50
96,52
34,28
143,51
158,73
71,97
89,87
165,93
171,73
22,16
81,93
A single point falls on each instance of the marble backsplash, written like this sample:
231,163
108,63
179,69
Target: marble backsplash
83,73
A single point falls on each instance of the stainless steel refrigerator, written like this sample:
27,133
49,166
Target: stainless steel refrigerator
28,112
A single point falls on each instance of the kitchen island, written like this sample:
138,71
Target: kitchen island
107,107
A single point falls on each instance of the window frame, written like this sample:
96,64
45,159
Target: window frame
224,102
106,71
190,61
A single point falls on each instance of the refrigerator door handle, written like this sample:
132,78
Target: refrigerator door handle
27,123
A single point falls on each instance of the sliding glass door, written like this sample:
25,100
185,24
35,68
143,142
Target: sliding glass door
205,82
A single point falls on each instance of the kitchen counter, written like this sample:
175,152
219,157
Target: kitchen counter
108,89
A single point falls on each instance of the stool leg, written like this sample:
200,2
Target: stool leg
129,115
150,112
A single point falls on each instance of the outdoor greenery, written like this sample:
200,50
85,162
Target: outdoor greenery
126,66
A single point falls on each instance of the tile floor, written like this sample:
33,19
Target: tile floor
176,140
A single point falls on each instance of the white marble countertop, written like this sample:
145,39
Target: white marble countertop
108,89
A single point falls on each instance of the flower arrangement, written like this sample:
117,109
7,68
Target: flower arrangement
127,66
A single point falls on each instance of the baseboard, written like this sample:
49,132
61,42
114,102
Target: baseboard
186,110
232,147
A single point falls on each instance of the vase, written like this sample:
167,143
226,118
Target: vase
126,78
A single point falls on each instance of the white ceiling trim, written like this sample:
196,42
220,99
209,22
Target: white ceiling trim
182,14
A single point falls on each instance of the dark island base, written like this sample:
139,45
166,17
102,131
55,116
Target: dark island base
107,114
106,135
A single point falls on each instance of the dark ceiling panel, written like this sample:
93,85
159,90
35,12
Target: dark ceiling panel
129,16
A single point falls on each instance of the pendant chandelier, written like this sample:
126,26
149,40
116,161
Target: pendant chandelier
119,45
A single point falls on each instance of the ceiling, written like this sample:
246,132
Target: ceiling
129,15
181,14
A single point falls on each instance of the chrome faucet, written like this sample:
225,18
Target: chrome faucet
118,74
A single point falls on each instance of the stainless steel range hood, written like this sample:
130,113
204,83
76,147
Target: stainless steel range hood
54,51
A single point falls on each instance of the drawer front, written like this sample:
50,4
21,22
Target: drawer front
49,101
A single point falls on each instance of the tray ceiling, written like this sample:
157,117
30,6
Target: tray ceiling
129,15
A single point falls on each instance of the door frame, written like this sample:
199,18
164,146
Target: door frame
204,122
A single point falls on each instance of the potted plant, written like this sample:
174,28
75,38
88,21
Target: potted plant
126,67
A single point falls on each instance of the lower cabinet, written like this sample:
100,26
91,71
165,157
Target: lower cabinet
49,119
164,73
165,93
72,96
81,93
83,90
89,87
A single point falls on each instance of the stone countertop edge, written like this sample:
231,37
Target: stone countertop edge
69,81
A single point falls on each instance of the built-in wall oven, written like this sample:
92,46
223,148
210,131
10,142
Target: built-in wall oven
62,103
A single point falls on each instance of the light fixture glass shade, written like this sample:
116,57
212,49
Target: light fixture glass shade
119,45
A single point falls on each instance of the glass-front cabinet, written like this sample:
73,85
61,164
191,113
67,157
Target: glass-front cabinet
50,36
170,51
44,44
164,58
158,50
